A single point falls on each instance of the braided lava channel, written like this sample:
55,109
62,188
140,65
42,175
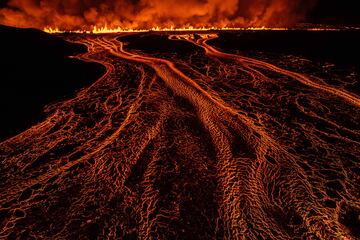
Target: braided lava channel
203,145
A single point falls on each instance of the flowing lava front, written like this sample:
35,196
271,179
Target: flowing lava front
103,30
197,145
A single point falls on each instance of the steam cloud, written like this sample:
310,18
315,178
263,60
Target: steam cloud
75,14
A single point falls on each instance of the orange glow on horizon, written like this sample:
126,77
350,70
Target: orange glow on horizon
145,14
101,30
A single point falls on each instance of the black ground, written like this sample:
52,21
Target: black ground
130,158
340,47
35,71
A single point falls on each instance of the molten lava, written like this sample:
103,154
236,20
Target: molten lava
102,30
201,144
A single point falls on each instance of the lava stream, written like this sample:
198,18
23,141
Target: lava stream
156,150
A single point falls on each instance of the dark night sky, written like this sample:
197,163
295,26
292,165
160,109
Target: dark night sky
335,12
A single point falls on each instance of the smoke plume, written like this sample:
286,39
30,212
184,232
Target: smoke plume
83,14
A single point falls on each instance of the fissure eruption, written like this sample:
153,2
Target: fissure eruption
146,14
196,126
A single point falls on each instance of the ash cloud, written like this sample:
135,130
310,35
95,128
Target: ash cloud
83,14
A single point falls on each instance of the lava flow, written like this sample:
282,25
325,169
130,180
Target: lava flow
102,30
198,145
